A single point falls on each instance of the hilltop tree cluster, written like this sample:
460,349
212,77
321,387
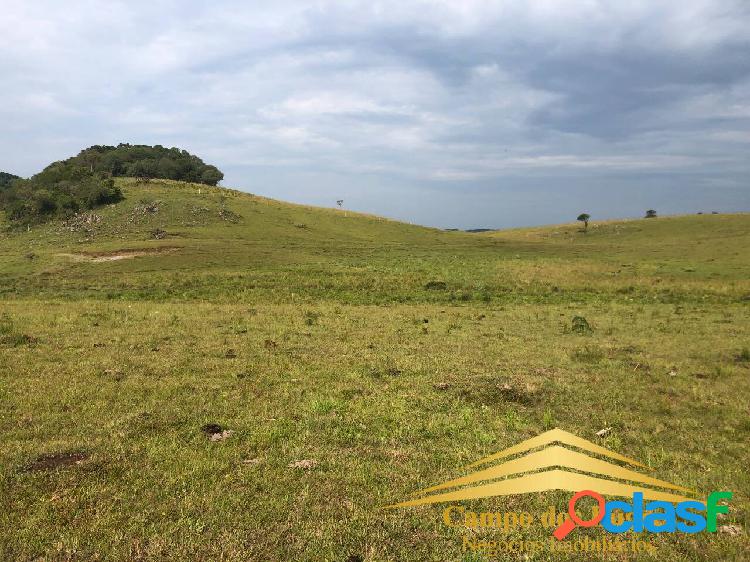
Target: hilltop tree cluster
85,181
141,161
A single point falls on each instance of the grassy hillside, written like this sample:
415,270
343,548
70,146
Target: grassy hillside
352,361
229,246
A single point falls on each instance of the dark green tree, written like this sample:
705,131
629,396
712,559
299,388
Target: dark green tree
584,218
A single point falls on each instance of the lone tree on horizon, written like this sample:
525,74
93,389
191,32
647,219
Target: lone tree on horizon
584,218
650,214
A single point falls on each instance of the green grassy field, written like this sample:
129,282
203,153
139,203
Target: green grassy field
388,355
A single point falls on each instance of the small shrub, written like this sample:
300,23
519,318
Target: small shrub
436,286
311,318
587,354
9,335
6,325
743,356
581,326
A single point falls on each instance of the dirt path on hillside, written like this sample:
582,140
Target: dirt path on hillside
115,255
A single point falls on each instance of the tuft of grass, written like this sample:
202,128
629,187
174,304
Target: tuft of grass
324,406
311,318
588,354
548,421
9,336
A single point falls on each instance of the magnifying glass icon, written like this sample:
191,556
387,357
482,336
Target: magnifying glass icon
562,531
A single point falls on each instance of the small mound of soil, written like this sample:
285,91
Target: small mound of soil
212,429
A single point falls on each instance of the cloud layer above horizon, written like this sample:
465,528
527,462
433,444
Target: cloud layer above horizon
465,114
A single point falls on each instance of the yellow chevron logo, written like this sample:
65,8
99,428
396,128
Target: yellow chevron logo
545,463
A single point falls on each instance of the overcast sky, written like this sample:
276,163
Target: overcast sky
453,114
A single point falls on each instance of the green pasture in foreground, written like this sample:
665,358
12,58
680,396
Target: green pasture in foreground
389,356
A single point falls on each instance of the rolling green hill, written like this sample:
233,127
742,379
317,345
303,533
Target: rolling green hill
196,373
171,240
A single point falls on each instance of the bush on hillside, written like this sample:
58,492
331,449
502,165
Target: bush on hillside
61,190
6,179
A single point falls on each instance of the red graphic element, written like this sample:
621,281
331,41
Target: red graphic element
562,531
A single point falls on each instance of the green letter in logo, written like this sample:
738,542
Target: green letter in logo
712,509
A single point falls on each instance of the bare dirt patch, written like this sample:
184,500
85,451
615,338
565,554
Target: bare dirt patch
304,464
56,460
487,390
115,255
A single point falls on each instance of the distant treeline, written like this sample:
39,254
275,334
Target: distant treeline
85,181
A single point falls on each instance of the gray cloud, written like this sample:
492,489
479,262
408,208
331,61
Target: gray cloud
452,114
